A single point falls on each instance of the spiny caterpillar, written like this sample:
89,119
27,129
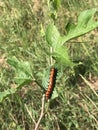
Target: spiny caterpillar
51,85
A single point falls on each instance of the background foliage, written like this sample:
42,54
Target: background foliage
25,60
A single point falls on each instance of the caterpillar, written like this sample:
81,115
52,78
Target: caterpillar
51,85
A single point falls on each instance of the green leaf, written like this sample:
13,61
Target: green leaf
13,62
22,79
85,24
6,93
22,69
61,56
54,94
52,35
20,65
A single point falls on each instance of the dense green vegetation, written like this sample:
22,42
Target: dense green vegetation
35,36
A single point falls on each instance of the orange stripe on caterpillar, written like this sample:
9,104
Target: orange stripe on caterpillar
51,85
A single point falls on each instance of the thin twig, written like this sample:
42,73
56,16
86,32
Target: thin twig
51,60
42,113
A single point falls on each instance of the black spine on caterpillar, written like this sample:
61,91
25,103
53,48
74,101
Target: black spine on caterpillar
52,81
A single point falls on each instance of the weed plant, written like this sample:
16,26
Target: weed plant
24,49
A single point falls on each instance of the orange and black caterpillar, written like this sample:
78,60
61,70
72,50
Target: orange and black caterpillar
51,85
